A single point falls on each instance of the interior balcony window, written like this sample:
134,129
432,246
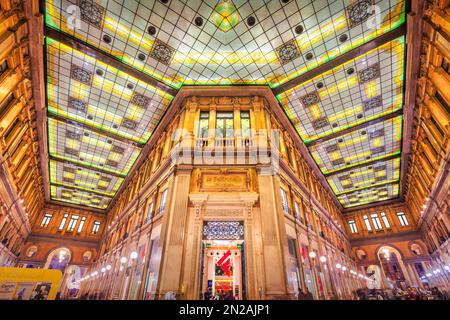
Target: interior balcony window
367,223
284,201
446,65
297,212
63,222
72,223
96,227
245,128
150,211
402,219
46,220
376,221
203,126
162,204
3,67
385,220
224,129
352,225
80,227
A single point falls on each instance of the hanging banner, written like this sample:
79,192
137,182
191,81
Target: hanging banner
29,284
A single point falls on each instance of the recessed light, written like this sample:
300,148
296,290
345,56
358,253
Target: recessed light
151,30
130,86
299,29
198,21
141,56
99,72
343,37
115,126
319,85
334,125
251,21
363,132
340,140
309,56
350,71
164,1
106,38
359,116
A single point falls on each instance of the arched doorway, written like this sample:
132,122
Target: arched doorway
392,266
58,259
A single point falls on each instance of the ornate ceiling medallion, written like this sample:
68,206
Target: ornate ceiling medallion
77,104
91,13
370,73
310,99
359,12
140,100
162,52
80,74
225,16
288,51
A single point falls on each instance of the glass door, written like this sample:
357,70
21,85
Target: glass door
224,129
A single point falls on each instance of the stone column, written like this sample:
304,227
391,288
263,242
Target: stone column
173,233
273,235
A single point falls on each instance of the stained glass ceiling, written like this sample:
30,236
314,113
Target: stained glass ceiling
100,115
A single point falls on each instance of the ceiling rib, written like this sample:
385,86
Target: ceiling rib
356,128
368,187
86,167
57,184
94,129
106,58
352,54
360,165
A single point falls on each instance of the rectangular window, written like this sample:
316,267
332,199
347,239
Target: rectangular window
46,220
96,227
385,220
367,222
80,227
72,223
446,65
245,124
402,218
376,221
3,67
352,225
442,101
63,222
224,125
162,204
297,212
203,126
5,103
284,201
150,211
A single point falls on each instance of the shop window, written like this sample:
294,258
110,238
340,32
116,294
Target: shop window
46,220
352,225
376,221
402,219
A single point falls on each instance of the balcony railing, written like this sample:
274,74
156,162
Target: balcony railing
224,142
239,142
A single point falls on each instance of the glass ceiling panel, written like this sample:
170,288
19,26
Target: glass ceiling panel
70,175
79,145
363,177
79,197
90,92
285,41
357,91
375,194
374,142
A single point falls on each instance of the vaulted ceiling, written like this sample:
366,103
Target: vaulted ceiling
336,66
